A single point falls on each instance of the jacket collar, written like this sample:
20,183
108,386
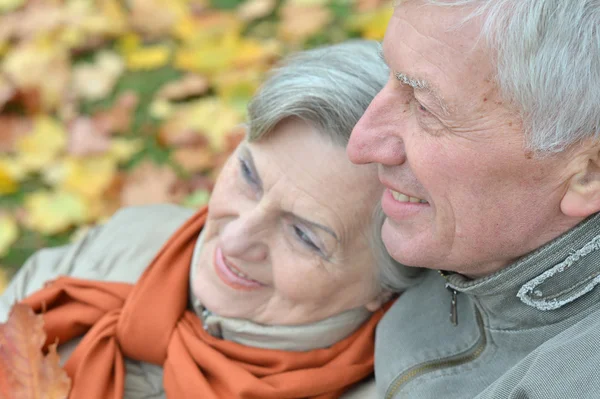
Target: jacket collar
547,286
321,334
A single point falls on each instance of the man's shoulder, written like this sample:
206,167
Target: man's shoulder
565,366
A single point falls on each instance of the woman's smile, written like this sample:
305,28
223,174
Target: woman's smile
231,275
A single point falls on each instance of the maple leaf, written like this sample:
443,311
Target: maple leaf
25,373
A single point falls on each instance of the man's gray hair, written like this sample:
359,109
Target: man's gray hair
548,65
330,88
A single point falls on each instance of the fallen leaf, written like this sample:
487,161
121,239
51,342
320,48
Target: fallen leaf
299,22
53,212
255,9
28,67
11,128
94,81
86,139
188,86
371,24
149,184
118,118
8,184
7,92
43,145
89,176
194,158
153,18
25,372
148,57
122,150
208,116
8,232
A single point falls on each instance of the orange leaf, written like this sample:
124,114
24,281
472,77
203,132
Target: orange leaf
24,371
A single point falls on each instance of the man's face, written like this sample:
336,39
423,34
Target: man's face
462,193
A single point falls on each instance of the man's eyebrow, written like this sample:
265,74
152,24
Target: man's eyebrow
417,84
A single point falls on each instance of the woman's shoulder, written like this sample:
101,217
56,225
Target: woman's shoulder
118,250
124,246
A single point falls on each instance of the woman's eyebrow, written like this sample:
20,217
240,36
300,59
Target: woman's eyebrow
318,226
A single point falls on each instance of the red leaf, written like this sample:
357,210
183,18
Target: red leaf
25,372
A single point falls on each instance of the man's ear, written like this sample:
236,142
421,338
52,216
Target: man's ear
379,301
582,198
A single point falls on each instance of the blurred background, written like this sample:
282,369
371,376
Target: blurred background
112,103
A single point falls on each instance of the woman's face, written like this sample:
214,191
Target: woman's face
288,230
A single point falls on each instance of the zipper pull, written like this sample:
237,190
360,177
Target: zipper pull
453,310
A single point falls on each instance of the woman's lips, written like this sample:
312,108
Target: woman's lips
231,275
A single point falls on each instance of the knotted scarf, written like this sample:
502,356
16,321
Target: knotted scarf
150,322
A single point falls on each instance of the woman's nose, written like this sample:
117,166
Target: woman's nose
243,237
377,137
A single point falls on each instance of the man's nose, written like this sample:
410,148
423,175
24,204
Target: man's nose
378,135
243,238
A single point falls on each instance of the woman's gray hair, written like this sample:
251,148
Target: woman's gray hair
328,87
548,65
393,276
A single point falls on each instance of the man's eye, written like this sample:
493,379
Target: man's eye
422,108
305,239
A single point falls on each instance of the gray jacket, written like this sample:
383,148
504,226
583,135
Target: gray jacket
530,331
120,251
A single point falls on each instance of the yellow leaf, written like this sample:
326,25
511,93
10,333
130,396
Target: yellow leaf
89,177
95,81
121,150
7,184
13,168
9,233
209,116
30,64
149,57
371,24
53,212
43,145
10,5
299,22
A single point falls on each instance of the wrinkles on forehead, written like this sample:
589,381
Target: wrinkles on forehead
424,43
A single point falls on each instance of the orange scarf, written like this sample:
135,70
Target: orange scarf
149,321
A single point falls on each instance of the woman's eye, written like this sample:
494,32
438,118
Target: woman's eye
247,172
422,108
305,238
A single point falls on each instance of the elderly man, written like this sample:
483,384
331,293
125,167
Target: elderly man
487,140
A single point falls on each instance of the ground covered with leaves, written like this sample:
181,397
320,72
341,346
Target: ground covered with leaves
112,103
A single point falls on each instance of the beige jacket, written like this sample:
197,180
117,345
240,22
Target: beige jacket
119,251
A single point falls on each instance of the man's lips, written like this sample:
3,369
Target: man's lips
402,208
231,275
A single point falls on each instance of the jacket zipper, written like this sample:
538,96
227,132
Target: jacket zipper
452,361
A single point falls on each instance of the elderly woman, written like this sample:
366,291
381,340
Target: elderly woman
272,291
